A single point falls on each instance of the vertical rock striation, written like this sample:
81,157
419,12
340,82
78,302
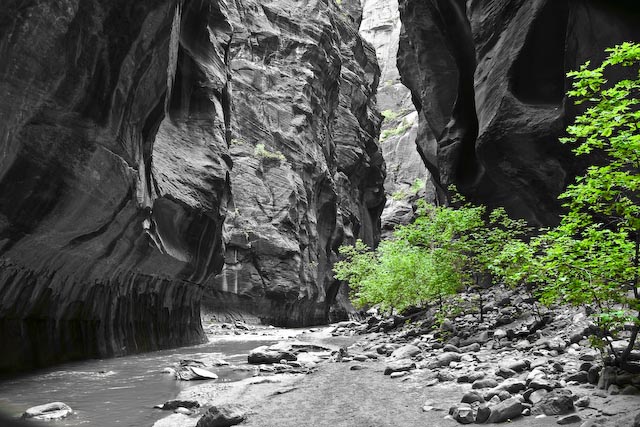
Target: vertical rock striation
407,178
307,172
488,81
114,174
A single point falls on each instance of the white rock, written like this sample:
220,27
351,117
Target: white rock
48,411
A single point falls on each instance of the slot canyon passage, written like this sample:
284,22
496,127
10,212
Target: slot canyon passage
177,177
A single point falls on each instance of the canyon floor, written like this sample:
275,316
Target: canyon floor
358,374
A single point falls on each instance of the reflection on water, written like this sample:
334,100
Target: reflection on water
120,391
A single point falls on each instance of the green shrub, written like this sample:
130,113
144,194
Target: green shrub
432,258
418,184
262,153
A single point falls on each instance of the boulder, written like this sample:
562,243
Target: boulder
505,372
405,352
268,355
471,397
48,411
511,385
484,383
483,413
399,366
471,348
580,377
556,402
471,377
516,365
505,410
536,396
542,384
463,414
583,402
445,359
192,373
223,416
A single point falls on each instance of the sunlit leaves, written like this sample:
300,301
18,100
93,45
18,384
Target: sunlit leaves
436,256
591,258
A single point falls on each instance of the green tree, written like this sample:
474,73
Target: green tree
592,257
441,252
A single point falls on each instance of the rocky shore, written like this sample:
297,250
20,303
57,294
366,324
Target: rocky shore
522,364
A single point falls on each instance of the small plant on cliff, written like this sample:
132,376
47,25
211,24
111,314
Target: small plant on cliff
418,184
399,195
390,114
592,258
398,130
262,153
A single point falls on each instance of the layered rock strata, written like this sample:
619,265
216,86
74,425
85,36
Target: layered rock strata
114,174
307,173
488,81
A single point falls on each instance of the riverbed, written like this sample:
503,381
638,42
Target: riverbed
122,391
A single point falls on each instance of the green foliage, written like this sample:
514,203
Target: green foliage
399,195
418,184
390,114
398,130
591,258
434,257
261,152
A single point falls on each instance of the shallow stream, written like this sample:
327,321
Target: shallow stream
122,391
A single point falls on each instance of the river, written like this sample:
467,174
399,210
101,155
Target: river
122,391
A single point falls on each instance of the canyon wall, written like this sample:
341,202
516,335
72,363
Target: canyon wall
407,179
120,123
307,174
488,81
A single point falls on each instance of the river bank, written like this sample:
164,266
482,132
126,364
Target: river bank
530,369
516,366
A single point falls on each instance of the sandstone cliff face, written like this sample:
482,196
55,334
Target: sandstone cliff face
119,125
307,174
488,81
407,178
113,174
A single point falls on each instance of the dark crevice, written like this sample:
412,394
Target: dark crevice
537,76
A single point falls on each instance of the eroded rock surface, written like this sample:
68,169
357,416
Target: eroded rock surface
107,220
488,81
307,172
115,178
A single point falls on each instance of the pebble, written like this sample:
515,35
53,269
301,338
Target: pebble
398,374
